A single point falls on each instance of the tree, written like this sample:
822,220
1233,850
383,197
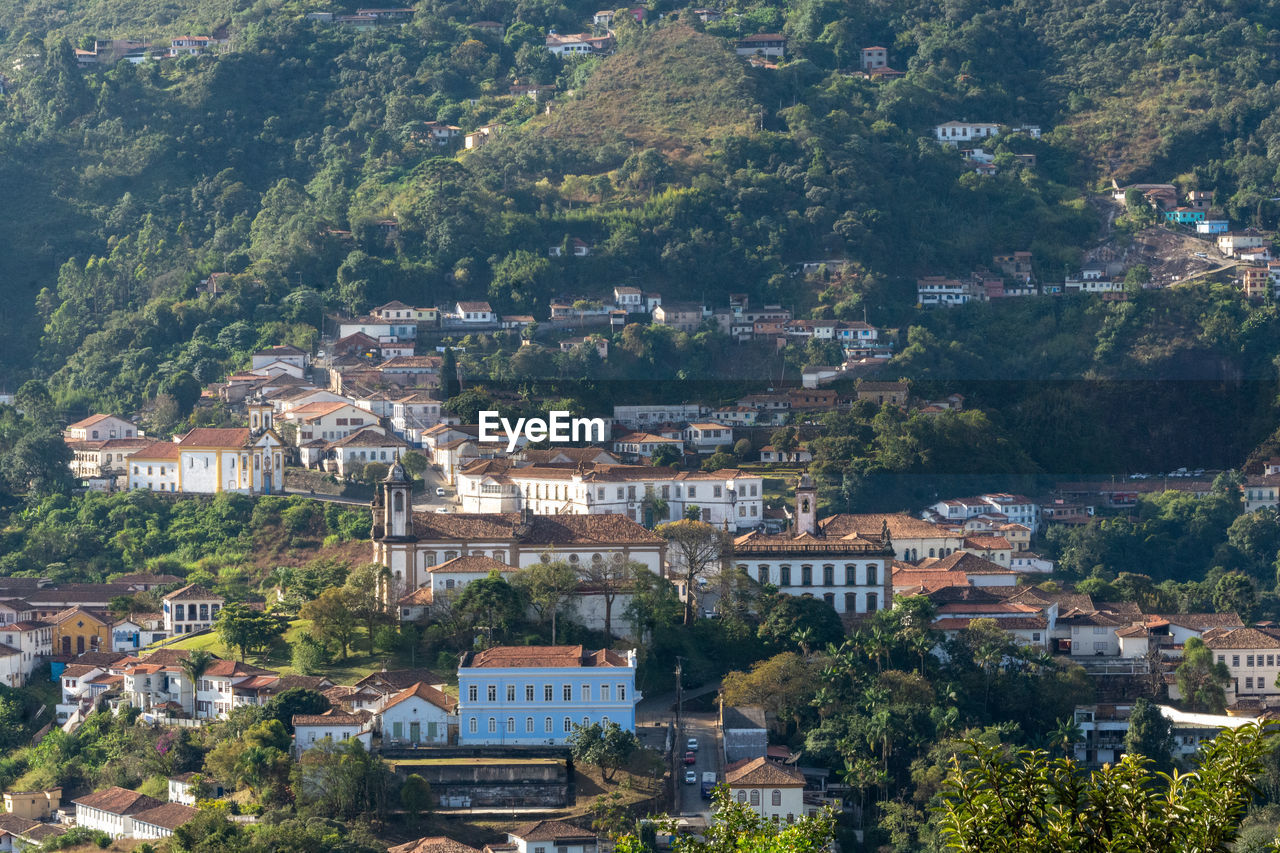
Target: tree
246,630
780,684
1201,681
665,455
1124,806
307,655
489,602
739,828
449,385
415,796
1150,735
362,591
695,547
194,666
333,616
296,700
784,440
608,747
548,586
609,578
718,461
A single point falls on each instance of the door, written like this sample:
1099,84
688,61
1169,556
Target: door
415,732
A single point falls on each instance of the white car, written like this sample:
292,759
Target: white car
690,777
440,491
692,745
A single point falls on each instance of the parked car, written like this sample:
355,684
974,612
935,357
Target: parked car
440,491
690,758
690,777
692,745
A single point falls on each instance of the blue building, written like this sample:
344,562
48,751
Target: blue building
1213,226
537,694
1184,216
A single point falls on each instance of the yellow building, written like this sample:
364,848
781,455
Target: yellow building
33,805
77,630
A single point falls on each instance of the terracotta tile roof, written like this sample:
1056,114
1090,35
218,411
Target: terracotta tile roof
963,561
236,437
370,437
192,590
329,718
1204,621
551,657
147,577
901,525
427,693
474,306
76,670
761,772
167,816
987,607
423,596
119,801
306,682
433,844
927,581
161,451
471,564
89,421
988,543
604,529
399,679
1239,638
224,668
558,831
167,657
1025,623
16,825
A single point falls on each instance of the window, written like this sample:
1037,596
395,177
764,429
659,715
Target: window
764,573
493,725
755,798
850,575
492,692
586,693
568,725
546,725
622,692
511,725
1249,660
873,574
604,693
471,725
873,602
567,694
806,576
1235,660
776,798
547,691
1271,660
693,491
511,693
828,575
784,576
742,796
1248,683
528,693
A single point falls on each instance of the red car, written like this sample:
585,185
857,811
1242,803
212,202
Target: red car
690,758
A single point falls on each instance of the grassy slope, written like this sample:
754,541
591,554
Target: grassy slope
674,89
357,665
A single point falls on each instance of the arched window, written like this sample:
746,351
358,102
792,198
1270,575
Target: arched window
755,798
493,724
471,725
511,725
873,572
850,602
806,575
829,598
828,575
568,725
930,552
546,725
764,573
873,602
742,796
776,798
528,725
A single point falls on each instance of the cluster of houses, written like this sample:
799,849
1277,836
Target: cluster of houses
43,622
365,19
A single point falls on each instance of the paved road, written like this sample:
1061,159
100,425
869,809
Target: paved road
428,501
701,726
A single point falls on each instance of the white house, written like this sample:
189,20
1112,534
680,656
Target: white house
1252,656
629,299
210,460
955,132
708,436
774,791
474,312
336,726
329,420
538,694
647,417
101,428
285,354
418,715
727,496
161,821
189,609
552,836
371,444
112,810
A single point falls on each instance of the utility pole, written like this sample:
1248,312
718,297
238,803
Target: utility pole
675,739
679,699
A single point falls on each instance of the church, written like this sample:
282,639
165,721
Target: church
412,545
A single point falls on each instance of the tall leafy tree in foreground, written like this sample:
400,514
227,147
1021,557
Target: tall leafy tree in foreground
1028,803
1201,681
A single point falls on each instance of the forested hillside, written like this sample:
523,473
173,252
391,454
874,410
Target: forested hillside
689,172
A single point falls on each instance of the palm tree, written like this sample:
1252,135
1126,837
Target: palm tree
195,665
1065,735
803,638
